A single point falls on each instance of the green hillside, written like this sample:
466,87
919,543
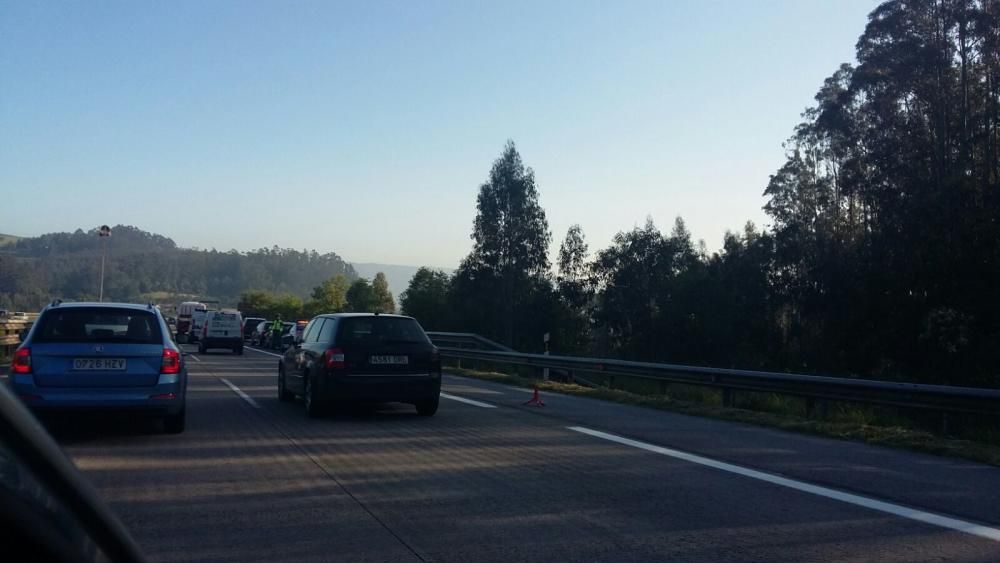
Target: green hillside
143,265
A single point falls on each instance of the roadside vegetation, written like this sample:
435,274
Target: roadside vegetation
335,295
880,260
873,425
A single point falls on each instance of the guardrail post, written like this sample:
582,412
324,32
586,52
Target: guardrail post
663,388
816,408
945,426
611,382
545,371
727,397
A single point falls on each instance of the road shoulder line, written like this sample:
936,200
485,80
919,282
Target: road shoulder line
931,518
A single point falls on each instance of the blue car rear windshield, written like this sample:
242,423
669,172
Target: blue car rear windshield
375,330
98,324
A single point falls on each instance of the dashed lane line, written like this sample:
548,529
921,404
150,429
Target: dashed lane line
262,352
240,393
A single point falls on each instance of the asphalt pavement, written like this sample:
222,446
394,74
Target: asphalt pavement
489,479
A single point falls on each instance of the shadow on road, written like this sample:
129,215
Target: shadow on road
68,429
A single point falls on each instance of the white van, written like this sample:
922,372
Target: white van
222,329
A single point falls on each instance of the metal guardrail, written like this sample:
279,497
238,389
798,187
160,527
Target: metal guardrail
909,395
10,330
466,340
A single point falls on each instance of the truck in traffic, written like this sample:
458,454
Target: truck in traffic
185,311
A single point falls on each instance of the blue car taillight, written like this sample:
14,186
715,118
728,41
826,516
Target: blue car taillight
171,362
22,361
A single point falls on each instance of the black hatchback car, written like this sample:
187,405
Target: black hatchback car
361,358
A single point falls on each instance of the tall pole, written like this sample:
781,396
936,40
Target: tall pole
104,254
103,233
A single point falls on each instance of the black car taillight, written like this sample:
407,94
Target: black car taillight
334,359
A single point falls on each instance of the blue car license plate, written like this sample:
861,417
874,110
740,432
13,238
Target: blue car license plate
99,364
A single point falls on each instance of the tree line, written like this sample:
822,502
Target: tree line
881,259
144,266
337,294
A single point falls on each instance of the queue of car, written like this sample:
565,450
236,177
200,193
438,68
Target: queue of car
261,334
121,357
250,325
124,358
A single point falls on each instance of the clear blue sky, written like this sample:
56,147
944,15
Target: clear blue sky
367,128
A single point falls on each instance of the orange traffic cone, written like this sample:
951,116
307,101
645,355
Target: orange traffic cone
536,399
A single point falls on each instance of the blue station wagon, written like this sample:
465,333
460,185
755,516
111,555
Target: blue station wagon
102,357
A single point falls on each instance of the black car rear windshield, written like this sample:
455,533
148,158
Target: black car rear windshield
374,330
98,324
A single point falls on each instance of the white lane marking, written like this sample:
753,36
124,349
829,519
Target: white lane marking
858,500
507,386
193,357
262,352
468,401
240,392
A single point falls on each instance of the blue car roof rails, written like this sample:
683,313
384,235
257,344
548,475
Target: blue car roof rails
55,303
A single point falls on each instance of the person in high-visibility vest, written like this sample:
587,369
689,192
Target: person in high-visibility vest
276,327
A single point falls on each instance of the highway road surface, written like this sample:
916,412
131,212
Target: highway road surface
488,479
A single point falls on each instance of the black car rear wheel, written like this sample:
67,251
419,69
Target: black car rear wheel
283,395
313,407
428,407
